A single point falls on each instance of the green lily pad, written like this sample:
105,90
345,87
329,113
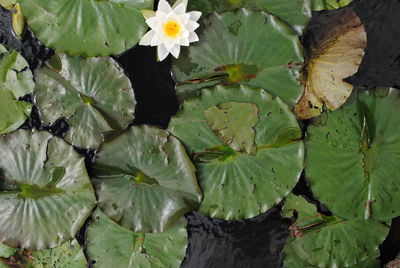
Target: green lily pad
68,255
330,241
243,47
111,245
94,95
7,3
239,183
362,140
15,81
144,180
87,28
44,187
330,4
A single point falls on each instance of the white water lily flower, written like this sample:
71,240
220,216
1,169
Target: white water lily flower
171,28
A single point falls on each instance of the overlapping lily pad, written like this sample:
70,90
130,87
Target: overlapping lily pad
246,47
330,241
45,192
87,28
93,94
247,148
68,255
355,150
144,180
334,53
15,81
110,245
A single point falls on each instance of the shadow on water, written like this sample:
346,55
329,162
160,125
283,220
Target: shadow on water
215,243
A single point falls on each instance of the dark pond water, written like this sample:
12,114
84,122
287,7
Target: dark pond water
255,242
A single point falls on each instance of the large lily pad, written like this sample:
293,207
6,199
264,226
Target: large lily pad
93,94
363,141
87,28
334,54
68,255
144,180
111,245
330,241
245,47
45,192
15,81
241,182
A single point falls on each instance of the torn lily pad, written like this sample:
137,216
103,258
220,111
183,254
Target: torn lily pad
44,187
243,177
93,94
362,140
15,81
334,53
68,255
111,245
68,26
329,241
144,180
243,47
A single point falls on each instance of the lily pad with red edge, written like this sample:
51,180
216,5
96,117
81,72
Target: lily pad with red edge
87,28
110,245
144,180
93,94
330,241
243,47
247,148
355,149
45,192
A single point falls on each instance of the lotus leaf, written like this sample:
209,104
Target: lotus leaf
237,182
93,94
45,192
110,245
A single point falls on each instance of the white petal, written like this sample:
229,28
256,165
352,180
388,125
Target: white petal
164,6
153,22
184,42
184,34
195,15
162,52
175,51
180,9
191,26
178,2
146,39
147,13
157,39
185,18
169,44
193,37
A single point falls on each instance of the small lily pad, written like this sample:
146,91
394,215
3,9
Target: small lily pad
243,47
68,255
144,180
330,241
87,28
44,187
93,94
111,245
237,182
333,57
362,140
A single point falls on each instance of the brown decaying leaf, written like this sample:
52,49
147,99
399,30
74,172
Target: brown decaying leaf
333,56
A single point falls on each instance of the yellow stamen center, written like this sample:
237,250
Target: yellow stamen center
172,28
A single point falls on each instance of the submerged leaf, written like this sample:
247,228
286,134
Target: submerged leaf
236,184
330,241
335,56
243,47
144,180
44,188
362,140
87,28
127,249
94,95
